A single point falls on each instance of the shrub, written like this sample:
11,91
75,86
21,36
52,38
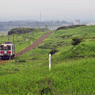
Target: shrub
20,31
76,41
53,51
17,60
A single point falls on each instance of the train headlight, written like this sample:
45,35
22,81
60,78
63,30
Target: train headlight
5,45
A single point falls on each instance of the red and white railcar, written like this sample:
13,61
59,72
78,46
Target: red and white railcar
7,50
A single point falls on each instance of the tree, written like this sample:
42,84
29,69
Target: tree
20,31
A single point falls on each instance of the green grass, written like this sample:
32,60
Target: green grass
72,71
69,77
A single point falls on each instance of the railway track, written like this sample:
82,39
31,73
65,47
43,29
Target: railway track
33,45
30,47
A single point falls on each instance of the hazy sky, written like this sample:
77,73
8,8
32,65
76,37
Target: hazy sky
49,9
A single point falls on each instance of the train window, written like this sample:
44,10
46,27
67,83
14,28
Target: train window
9,47
1,47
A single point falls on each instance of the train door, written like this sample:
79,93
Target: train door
9,50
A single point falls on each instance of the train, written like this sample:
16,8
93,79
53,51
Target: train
7,51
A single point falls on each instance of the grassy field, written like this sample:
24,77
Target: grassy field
72,71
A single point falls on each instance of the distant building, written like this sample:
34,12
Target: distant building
77,22
91,23
65,24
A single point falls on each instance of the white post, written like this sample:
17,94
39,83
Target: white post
31,42
49,62
26,39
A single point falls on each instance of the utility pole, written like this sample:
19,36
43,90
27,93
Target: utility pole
33,35
13,38
40,20
8,37
40,16
37,25
46,27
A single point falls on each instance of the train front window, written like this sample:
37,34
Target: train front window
9,47
5,48
1,47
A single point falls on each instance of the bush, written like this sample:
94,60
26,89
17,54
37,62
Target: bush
17,60
20,31
53,51
67,27
76,41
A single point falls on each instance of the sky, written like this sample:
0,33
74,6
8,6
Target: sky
47,10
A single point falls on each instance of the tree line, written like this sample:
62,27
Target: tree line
20,30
